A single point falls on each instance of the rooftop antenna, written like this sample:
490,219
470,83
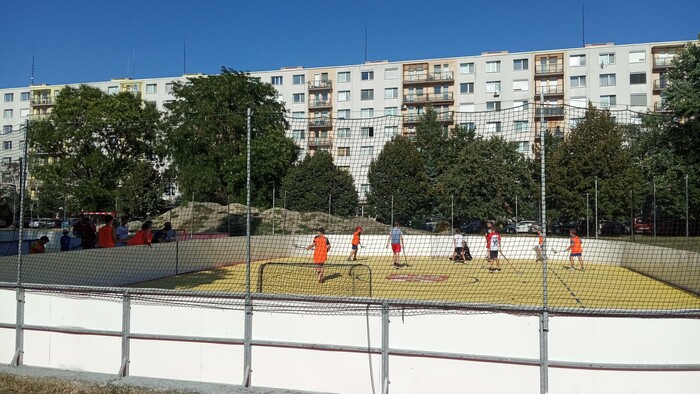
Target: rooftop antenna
583,23
32,80
133,62
365,42
184,57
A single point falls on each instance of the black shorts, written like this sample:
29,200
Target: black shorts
459,250
493,254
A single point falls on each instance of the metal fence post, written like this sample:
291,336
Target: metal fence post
126,332
385,347
17,360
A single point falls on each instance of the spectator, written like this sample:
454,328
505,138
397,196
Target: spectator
106,237
38,246
169,233
65,241
123,232
143,236
89,233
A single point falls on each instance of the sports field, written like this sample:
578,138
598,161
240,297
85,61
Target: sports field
519,283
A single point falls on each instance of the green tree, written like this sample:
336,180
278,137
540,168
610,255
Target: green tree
89,143
310,183
595,148
485,177
398,173
141,193
207,137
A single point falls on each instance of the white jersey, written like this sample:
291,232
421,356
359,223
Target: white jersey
458,240
494,242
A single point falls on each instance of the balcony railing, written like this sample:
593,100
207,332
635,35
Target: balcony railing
551,111
428,98
660,84
663,62
659,107
542,69
42,100
428,77
549,90
313,141
321,122
441,117
320,85
320,103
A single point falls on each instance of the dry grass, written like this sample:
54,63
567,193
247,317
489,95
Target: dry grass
15,384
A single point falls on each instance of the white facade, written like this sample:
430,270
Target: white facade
389,96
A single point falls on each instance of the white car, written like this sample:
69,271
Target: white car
36,223
526,226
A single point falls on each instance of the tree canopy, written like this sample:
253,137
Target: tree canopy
207,137
90,143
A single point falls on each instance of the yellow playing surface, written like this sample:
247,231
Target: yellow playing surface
519,283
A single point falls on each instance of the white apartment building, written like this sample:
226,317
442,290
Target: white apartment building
352,111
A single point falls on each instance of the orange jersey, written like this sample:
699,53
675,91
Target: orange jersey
142,237
37,247
576,244
541,241
105,237
321,247
356,237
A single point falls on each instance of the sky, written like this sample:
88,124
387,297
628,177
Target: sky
74,41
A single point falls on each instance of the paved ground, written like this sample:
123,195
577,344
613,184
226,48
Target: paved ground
177,386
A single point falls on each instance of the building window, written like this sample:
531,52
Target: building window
390,131
493,67
366,150
367,113
344,95
391,111
6,129
391,93
606,58
521,105
169,87
577,60
7,114
367,75
607,79
6,161
276,80
493,87
523,146
367,94
638,78
466,88
24,96
469,126
9,97
366,132
608,101
24,112
298,134
298,115
520,125
343,133
493,127
298,98
344,76
493,105
578,81
7,145
364,188
343,114
520,64
466,68
578,102
638,100
298,79
343,151
521,85
151,88
638,57
391,73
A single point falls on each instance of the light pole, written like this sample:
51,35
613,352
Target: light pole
273,207
588,222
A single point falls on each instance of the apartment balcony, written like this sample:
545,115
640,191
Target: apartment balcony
320,85
551,90
659,107
323,122
36,117
320,104
41,101
317,142
660,85
549,69
409,133
550,111
447,117
447,76
428,98
662,63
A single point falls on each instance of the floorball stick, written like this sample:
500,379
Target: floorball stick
511,265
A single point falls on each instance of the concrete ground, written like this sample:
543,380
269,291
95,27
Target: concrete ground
174,386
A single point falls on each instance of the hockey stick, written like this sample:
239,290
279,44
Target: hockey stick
405,259
511,265
559,251
296,246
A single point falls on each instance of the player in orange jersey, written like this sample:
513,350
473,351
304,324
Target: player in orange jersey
355,243
321,247
576,249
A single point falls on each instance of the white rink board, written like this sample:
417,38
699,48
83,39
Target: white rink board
72,352
188,321
58,311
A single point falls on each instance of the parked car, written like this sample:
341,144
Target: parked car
474,226
509,228
527,226
34,223
614,228
642,226
47,223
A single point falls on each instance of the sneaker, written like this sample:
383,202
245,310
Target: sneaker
571,268
397,266
498,270
348,258
491,270
354,259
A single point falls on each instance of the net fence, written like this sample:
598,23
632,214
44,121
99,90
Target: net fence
433,208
